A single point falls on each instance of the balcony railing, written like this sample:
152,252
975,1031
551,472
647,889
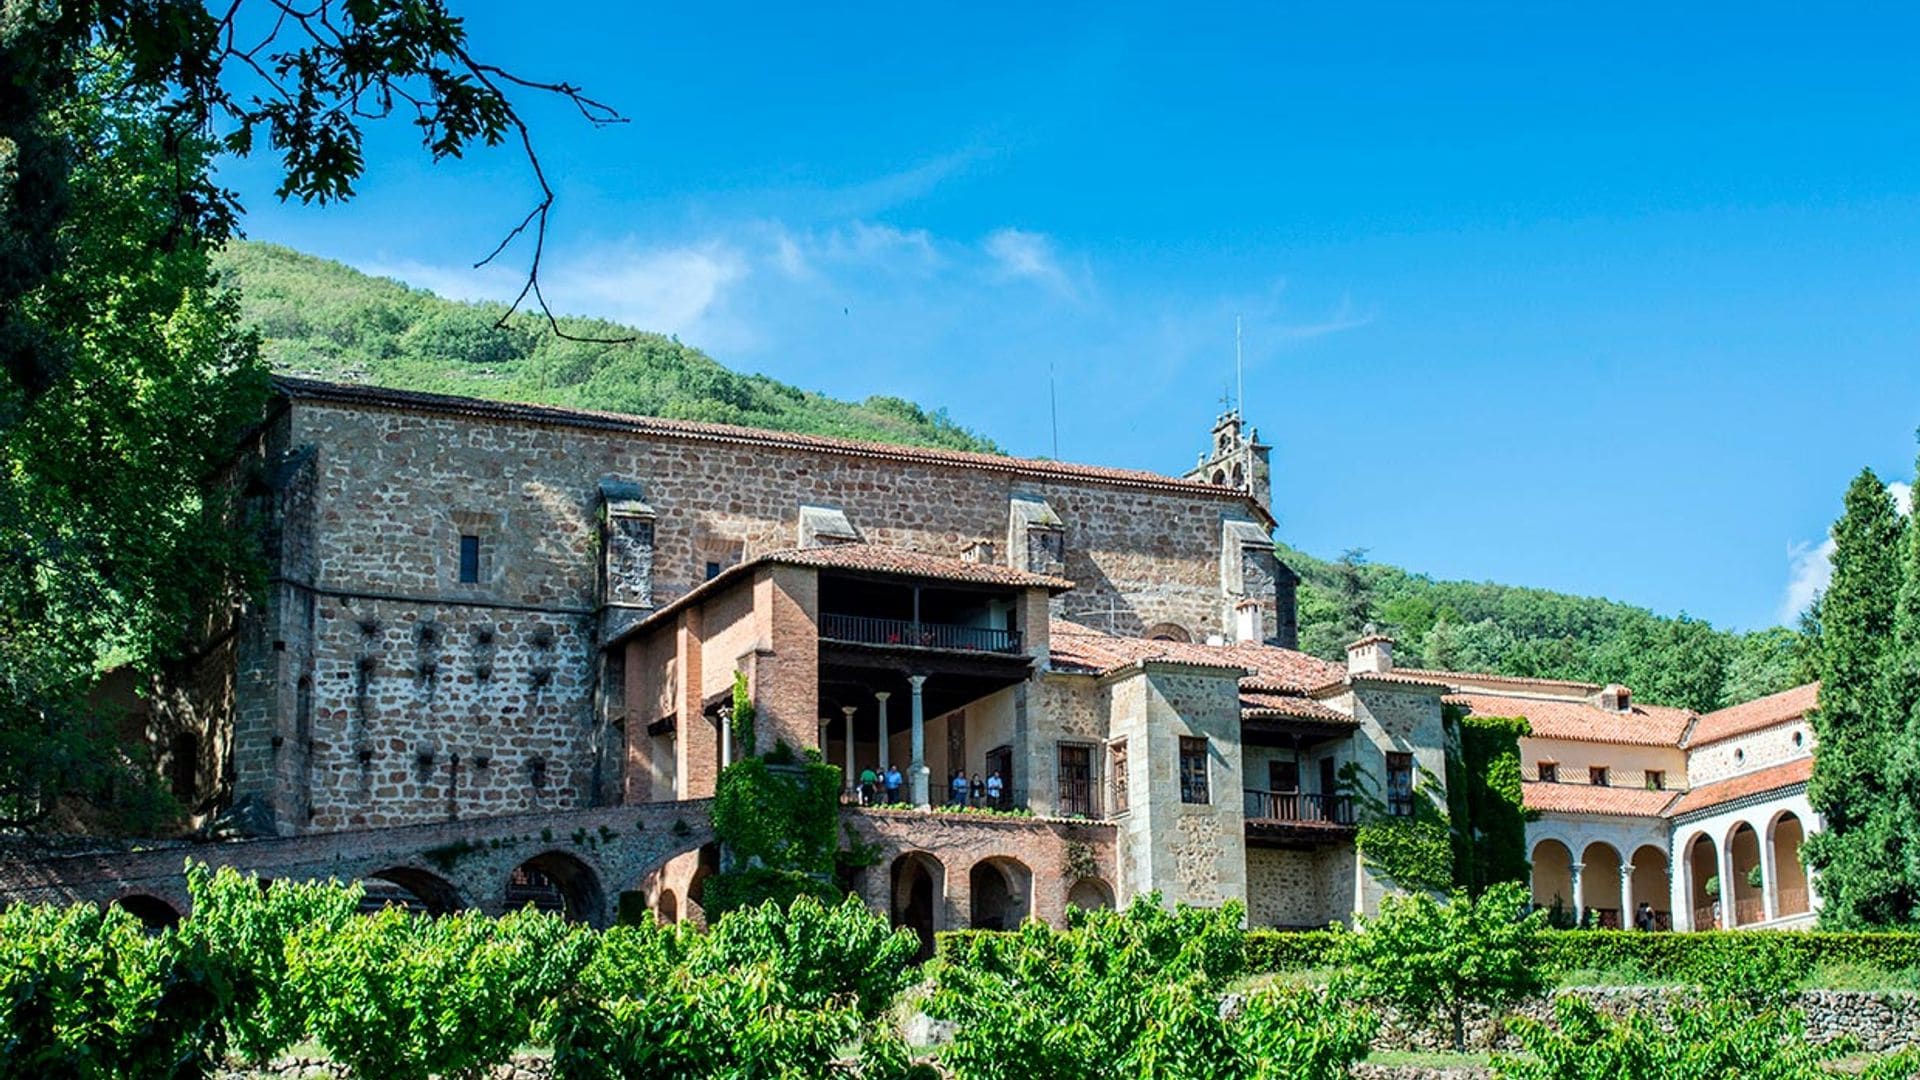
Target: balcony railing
1299,806
866,630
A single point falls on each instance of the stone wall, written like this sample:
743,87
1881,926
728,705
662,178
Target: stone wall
342,726
1750,752
1053,853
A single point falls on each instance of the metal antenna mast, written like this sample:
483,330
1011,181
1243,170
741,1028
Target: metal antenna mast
1053,408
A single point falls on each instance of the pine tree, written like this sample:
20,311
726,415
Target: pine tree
1863,878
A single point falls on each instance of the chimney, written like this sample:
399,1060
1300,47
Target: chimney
1614,698
1371,655
1246,622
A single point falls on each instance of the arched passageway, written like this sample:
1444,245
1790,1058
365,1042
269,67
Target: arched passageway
1001,893
1652,886
1553,878
559,884
1790,896
918,889
413,889
153,912
1703,882
1743,847
1600,885
667,908
1090,894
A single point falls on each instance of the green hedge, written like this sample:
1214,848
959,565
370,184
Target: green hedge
1661,955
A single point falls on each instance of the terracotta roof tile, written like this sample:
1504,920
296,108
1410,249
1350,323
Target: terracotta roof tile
1468,679
1082,648
1593,799
375,396
1798,771
880,559
1641,725
1262,706
1754,715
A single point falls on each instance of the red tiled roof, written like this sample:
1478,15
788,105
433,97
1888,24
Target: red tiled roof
376,396
1641,725
868,558
1397,676
880,559
1754,715
1787,774
1262,706
1082,648
1465,679
1593,799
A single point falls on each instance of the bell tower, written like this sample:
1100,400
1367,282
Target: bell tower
1236,458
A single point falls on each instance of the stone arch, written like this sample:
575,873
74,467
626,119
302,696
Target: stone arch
1553,876
1239,476
1600,895
1785,833
707,864
412,888
1702,862
153,912
667,908
1090,894
1219,477
1167,631
918,896
1652,885
1000,891
1743,851
560,884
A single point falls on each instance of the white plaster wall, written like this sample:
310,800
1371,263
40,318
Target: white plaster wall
1720,827
1627,765
1750,752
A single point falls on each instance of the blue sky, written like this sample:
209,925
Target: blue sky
1613,300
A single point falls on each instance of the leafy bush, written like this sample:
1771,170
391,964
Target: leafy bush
1137,993
1433,959
768,992
90,994
1712,1038
396,996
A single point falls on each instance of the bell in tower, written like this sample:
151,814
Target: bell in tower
1236,458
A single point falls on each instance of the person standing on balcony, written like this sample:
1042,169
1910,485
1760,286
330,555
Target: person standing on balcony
958,789
979,791
893,783
868,792
995,786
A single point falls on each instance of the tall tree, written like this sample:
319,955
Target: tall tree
1859,853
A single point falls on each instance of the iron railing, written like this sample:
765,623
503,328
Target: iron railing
866,630
1299,806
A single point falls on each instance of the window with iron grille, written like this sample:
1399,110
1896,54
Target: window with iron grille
1193,770
1117,769
1076,780
1400,785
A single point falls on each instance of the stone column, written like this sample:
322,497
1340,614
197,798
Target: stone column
1579,893
853,778
1627,906
1769,885
726,735
881,696
918,769
1729,917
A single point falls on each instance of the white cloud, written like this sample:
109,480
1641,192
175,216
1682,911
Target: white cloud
1022,255
1810,566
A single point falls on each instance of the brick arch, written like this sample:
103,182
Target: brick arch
999,893
436,894
153,912
1089,894
917,896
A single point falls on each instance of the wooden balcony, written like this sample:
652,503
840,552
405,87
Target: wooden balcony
1293,818
911,633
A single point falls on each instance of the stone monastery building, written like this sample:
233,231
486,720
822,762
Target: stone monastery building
496,657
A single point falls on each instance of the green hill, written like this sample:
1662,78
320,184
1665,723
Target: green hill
326,320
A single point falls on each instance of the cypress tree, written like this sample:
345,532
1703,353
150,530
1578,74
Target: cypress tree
1858,855
1901,700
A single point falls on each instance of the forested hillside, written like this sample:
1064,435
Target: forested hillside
326,320
1504,629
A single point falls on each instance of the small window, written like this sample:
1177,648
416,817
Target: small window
1656,780
1193,770
713,570
1400,785
1549,772
1117,770
1799,738
1597,775
469,559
